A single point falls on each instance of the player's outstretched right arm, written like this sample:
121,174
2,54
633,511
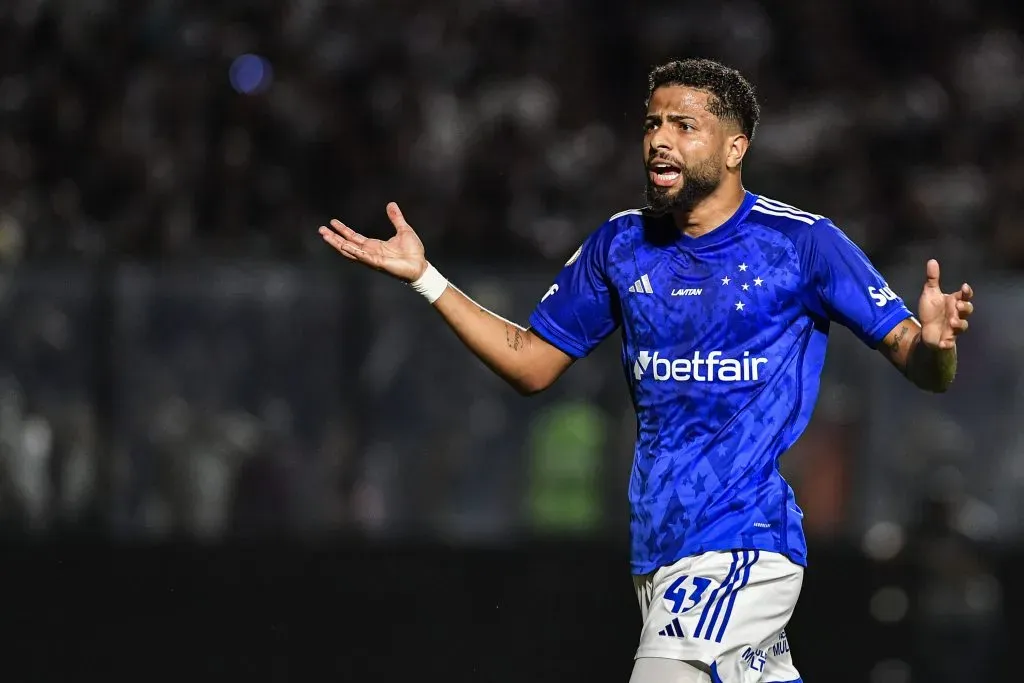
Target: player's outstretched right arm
517,355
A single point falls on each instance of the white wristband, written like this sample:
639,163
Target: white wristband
431,284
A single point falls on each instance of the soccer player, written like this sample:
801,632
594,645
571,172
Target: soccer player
724,300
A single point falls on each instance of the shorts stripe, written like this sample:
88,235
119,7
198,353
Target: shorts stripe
732,597
716,678
714,594
729,588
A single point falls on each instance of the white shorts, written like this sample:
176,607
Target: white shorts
725,612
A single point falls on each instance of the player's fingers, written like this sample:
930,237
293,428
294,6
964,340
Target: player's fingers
332,238
356,253
397,218
342,245
958,325
966,292
931,274
347,232
347,255
964,308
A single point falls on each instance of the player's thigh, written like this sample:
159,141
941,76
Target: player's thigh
727,611
661,670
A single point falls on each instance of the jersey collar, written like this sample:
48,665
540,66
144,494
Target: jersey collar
725,229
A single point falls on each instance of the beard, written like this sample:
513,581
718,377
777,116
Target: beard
699,181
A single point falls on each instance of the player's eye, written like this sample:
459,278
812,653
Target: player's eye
649,126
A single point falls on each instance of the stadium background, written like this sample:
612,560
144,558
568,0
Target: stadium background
226,451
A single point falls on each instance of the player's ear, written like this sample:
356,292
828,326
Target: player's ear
736,151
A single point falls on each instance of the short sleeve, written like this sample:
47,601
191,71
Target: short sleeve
845,286
580,309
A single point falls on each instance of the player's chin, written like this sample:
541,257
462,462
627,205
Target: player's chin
663,197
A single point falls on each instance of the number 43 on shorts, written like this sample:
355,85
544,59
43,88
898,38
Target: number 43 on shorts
685,593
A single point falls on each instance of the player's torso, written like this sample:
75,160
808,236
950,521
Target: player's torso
722,360
708,319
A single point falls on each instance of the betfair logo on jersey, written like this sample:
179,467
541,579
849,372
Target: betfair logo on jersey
882,296
710,368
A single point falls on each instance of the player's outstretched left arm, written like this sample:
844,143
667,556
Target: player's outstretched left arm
924,349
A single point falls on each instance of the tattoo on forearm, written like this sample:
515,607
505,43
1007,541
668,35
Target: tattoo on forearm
514,337
894,345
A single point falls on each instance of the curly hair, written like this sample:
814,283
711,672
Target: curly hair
731,96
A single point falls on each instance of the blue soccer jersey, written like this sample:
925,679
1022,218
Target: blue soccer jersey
723,344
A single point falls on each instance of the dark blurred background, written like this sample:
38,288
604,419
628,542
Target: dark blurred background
226,451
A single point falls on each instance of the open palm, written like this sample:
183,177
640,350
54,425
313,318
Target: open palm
401,256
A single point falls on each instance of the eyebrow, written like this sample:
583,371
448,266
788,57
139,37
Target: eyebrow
674,118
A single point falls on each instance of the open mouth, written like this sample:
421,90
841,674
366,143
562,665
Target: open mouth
663,173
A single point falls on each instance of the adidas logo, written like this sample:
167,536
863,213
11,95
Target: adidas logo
642,286
673,629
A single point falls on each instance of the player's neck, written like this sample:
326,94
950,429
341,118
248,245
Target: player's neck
712,211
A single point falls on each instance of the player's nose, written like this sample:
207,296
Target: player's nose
660,142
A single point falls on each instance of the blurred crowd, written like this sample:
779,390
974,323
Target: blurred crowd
506,128
180,389
225,397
